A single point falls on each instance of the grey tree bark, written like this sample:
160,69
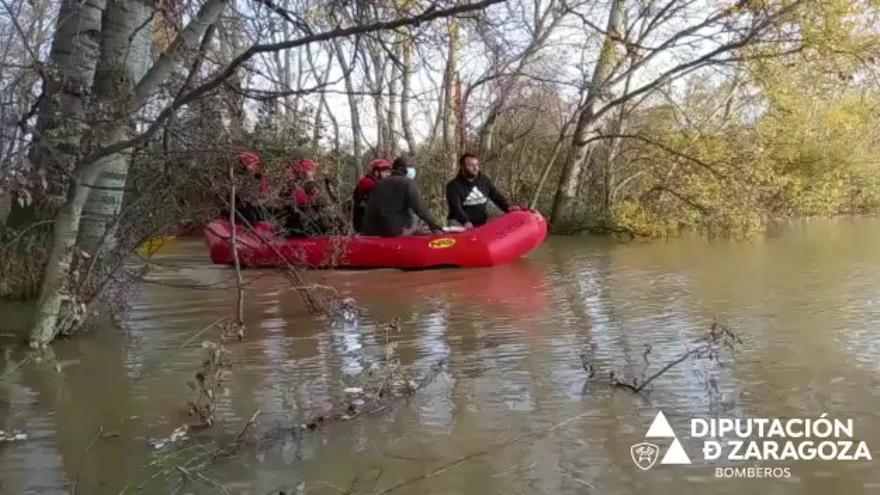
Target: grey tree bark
60,129
54,289
318,126
125,57
61,119
67,226
376,84
352,105
334,123
448,119
406,75
588,124
393,106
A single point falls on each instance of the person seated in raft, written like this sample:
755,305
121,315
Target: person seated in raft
304,204
251,189
379,169
395,206
469,192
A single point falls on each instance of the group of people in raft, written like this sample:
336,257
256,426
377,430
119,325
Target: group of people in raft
385,202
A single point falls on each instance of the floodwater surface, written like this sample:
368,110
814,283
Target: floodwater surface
513,410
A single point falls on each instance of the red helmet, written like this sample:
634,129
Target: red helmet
380,164
301,166
249,160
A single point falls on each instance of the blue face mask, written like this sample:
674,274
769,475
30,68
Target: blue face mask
410,173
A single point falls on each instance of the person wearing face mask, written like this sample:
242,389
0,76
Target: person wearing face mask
395,206
469,192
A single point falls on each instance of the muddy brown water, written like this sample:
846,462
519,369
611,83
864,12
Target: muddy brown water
805,300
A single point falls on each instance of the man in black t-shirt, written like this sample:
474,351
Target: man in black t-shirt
469,192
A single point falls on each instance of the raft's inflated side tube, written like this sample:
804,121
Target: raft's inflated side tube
501,240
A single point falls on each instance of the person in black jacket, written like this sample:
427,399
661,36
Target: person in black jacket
395,206
469,192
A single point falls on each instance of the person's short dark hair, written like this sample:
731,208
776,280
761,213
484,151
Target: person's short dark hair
463,158
401,163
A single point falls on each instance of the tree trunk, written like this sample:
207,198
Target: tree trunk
459,110
318,125
54,290
376,83
60,122
487,130
438,117
353,107
334,123
300,73
406,74
186,41
318,128
230,47
117,79
393,106
554,155
125,58
448,120
609,173
588,125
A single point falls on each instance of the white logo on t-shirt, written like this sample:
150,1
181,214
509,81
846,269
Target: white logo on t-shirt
475,197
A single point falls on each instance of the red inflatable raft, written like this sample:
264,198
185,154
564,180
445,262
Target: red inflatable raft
501,240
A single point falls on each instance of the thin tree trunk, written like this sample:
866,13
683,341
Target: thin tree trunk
557,148
234,101
376,83
353,107
588,125
609,176
438,117
459,111
318,124
448,121
393,106
285,62
406,73
487,130
334,123
300,73
317,129
233,229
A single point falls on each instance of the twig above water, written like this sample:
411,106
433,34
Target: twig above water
718,337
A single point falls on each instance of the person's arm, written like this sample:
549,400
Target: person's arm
454,202
414,198
497,197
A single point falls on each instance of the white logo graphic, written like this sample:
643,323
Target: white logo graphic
645,454
757,441
475,197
